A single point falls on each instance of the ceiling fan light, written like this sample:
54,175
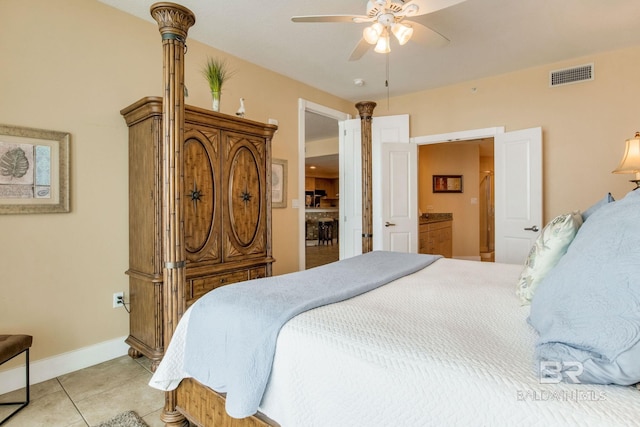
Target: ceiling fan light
372,34
383,45
402,32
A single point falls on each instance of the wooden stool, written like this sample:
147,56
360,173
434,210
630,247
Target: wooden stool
10,347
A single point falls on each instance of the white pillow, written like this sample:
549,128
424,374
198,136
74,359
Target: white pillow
550,246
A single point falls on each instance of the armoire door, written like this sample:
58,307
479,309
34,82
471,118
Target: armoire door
244,209
202,196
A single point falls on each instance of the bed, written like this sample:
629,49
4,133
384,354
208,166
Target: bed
453,342
449,344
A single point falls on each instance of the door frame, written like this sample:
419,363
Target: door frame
303,107
466,135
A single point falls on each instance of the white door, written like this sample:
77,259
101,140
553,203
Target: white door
400,197
350,184
385,129
518,184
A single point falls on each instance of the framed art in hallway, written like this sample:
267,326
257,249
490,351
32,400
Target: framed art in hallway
447,183
278,183
34,170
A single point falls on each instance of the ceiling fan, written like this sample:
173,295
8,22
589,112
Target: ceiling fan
389,17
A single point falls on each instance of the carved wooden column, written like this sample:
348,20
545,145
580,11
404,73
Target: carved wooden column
174,22
365,109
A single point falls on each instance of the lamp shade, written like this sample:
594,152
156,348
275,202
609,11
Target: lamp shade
631,160
383,45
372,34
402,32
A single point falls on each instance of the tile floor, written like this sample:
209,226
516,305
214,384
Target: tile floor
95,394
89,396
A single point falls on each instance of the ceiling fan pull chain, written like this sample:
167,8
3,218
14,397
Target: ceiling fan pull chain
386,82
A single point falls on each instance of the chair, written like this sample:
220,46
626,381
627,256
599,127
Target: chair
325,231
10,347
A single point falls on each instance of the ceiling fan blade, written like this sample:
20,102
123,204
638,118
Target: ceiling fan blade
361,48
429,6
329,18
426,36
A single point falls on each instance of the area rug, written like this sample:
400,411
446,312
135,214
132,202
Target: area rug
125,419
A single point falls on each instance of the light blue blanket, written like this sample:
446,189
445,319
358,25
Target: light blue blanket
232,332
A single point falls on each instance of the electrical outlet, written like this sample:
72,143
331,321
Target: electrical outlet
118,299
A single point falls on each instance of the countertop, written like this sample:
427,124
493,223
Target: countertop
312,210
435,217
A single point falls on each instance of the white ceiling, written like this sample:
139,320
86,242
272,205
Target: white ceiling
488,37
318,127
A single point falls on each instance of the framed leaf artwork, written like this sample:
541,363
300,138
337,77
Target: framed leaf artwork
34,170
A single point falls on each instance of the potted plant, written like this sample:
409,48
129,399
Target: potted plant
216,71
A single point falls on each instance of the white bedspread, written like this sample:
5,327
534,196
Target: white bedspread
448,345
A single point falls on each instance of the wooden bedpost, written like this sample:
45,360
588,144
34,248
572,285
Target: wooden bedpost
365,109
174,22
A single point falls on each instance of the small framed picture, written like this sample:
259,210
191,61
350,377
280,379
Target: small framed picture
278,183
447,183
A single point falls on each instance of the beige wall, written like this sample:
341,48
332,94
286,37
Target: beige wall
584,125
72,65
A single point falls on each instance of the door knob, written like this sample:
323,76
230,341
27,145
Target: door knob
388,224
534,228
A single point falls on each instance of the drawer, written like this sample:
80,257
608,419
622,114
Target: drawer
203,285
257,273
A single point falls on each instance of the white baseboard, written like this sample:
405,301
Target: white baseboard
51,367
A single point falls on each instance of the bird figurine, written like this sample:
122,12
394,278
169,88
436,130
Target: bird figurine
240,112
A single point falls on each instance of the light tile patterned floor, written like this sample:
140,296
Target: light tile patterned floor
95,394
89,396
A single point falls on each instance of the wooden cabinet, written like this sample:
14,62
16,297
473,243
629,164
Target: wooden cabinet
325,191
226,211
329,185
435,238
309,183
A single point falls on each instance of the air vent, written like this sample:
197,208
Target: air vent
571,75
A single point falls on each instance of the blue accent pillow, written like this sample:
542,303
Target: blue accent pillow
608,198
587,309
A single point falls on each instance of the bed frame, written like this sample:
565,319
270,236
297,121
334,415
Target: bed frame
193,401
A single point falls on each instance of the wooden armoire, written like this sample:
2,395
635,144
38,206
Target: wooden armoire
226,202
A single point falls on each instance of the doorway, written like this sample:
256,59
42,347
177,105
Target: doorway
319,185
467,232
471,204
518,186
